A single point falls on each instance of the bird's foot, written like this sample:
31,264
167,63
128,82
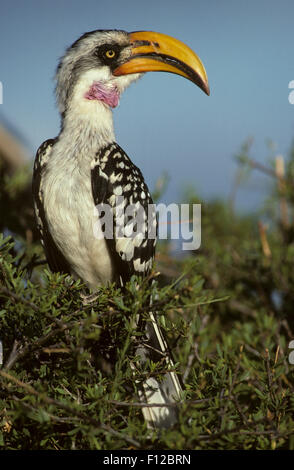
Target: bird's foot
89,299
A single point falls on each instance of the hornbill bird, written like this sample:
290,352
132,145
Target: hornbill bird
84,167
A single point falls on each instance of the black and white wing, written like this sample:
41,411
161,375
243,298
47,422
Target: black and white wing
55,258
120,192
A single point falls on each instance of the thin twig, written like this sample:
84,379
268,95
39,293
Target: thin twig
242,308
239,430
264,169
16,355
191,358
239,410
18,298
280,173
160,405
269,373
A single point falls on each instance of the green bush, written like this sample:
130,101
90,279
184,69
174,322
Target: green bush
70,374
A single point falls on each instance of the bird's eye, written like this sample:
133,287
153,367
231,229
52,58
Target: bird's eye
110,54
107,53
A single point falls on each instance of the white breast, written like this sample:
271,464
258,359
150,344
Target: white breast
70,213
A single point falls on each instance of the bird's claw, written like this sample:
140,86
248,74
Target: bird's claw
89,299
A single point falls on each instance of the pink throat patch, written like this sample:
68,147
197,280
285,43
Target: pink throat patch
102,92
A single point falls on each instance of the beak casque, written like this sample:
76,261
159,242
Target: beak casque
158,52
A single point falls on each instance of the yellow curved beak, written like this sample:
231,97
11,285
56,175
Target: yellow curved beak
158,52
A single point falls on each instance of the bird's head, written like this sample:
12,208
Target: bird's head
102,63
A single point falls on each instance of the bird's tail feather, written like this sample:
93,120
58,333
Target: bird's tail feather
167,390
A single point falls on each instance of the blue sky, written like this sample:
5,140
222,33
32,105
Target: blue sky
164,122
